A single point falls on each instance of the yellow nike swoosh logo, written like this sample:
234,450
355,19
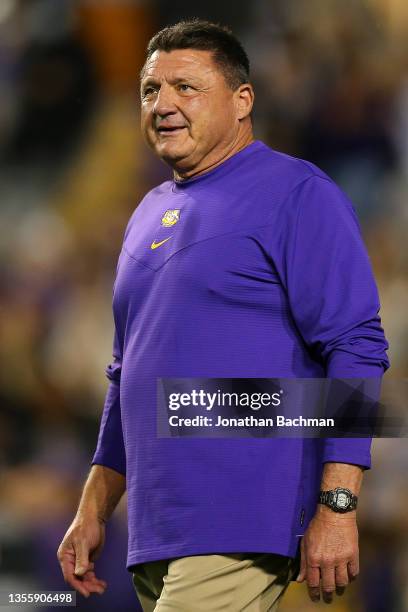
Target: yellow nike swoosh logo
155,245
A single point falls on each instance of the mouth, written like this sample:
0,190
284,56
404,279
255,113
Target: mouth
170,131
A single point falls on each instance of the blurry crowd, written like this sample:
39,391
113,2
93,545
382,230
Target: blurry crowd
331,81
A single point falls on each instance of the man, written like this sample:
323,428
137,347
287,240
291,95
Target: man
249,263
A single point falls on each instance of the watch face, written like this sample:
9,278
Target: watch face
342,500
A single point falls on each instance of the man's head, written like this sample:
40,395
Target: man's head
196,96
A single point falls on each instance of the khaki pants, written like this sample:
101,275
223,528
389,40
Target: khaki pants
210,583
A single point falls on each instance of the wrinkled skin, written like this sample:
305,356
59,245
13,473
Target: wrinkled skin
329,554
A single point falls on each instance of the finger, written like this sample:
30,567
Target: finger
88,584
67,562
302,572
64,558
313,582
77,584
328,582
92,583
92,578
101,583
94,587
353,569
342,579
82,563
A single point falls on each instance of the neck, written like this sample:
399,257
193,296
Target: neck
237,145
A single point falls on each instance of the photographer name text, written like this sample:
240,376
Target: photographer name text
248,421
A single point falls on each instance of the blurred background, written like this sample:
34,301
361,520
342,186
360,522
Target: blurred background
331,78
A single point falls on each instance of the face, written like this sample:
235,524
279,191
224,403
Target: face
190,117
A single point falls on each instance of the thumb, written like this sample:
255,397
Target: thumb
82,560
302,573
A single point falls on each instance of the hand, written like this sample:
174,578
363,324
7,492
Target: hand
81,545
329,553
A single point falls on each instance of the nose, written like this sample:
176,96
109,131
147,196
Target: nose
165,101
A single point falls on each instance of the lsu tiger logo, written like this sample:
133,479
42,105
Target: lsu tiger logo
170,217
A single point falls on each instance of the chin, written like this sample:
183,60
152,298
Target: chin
171,154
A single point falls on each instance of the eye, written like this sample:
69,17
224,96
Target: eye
148,91
184,87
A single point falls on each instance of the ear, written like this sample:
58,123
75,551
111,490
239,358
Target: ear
244,100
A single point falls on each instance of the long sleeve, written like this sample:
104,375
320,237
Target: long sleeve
333,296
110,450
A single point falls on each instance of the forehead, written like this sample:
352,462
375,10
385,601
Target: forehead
180,62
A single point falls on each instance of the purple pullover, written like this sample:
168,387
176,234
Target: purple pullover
255,269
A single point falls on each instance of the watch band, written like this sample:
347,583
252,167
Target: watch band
339,499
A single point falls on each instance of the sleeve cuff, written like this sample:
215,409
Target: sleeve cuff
363,460
113,465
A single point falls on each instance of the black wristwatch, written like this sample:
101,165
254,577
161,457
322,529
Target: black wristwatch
339,500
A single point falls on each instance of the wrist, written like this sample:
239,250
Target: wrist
325,513
340,500
90,513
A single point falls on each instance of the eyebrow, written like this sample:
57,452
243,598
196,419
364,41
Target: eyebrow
150,80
